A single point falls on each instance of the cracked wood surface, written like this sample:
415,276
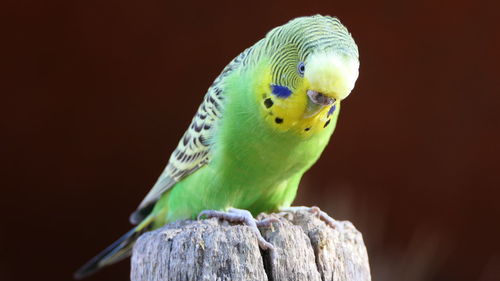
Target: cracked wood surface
305,249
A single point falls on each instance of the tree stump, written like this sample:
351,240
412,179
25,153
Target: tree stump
305,249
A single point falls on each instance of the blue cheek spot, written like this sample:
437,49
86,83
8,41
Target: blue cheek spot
332,109
281,91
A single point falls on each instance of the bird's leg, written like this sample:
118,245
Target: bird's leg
244,217
316,211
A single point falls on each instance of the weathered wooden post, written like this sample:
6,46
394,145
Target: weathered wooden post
306,249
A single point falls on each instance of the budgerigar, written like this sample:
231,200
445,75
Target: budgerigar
262,124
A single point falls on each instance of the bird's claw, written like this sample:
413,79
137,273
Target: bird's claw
267,222
318,213
244,217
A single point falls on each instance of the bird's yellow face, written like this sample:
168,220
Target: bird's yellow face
323,80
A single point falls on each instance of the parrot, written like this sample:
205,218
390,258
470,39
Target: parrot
262,124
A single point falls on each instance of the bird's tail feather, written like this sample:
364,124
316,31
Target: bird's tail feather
119,250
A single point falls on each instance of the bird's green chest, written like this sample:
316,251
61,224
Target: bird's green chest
259,167
253,165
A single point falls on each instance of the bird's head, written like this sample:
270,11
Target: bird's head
312,65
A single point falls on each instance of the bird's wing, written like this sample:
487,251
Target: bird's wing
193,150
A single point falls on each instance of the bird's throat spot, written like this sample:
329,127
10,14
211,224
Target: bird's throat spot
326,123
268,103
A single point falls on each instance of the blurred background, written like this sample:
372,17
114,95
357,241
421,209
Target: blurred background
96,94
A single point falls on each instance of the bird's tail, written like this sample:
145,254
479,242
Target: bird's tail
119,250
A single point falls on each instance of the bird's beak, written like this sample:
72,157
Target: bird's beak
316,101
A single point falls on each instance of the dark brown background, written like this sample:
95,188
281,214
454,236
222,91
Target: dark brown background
95,95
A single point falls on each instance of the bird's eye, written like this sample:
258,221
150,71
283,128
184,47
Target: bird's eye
301,68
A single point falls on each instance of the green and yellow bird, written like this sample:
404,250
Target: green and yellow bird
262,124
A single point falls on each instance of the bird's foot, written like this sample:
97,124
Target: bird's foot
319,214
246,218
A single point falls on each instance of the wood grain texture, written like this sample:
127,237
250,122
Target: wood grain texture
305,249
